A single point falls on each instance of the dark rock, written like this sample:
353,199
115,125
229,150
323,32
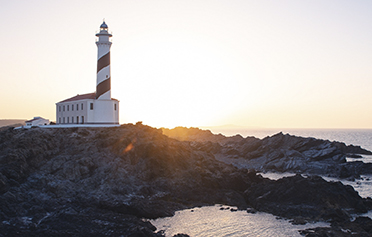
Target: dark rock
299,221
279,153
104,181
311,198
60,181
361,226
356,156
199,135
251,210
351,149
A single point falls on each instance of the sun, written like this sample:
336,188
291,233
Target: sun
175,82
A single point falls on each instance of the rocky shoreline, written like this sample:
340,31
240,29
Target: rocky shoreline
279,153
105,181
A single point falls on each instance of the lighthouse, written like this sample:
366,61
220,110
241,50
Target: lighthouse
98,107
103,91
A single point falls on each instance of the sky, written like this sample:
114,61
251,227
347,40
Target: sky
265,64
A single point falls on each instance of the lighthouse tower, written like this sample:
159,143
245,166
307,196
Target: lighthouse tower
103,91
98,107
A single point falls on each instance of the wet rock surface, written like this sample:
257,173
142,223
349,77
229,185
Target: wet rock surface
108,181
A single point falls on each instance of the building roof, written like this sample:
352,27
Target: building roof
34,119
89,96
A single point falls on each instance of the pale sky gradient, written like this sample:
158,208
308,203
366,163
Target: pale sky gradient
284,64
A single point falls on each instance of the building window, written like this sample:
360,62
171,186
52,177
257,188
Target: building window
68,107
82,119
59,120
63,119
82,106
72,119
91,106
114,106
68,119
59,108
77,107
63,108
77,119
72,107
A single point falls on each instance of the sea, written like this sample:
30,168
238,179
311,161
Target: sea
220,220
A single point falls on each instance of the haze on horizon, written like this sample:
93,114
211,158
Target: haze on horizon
273,64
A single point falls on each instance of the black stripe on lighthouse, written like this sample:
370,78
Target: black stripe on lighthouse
103,61
103,87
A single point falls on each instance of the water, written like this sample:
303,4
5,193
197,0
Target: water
211,221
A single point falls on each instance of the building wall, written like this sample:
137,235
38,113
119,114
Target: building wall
93,111
105,111
37,121
72,112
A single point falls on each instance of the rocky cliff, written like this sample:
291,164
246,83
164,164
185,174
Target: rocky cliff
104,181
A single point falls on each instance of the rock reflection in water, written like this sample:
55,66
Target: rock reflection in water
212,221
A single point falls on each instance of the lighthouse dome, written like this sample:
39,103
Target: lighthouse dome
103,25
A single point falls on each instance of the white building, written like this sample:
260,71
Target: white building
37,121
97,107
